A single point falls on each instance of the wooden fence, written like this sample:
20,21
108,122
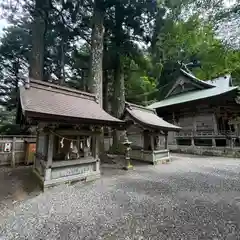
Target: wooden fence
13,149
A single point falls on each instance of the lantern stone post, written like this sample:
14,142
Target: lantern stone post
127,147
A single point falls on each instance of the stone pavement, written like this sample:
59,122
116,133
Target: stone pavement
190,198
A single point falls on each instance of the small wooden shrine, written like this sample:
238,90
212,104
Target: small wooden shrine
148,134
69,124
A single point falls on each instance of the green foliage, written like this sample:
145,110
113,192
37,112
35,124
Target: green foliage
138,84
14,51
7,126
147,38
12,129
191,40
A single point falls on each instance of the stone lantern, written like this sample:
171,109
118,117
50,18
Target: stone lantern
127,147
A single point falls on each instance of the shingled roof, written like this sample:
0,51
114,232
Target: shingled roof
192,96
43,100
148,117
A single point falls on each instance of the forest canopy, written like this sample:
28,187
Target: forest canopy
130,49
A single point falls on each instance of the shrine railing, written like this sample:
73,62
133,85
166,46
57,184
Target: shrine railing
205,133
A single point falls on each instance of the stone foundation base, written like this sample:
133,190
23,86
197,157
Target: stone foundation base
207,151
87,177
162,161
154,157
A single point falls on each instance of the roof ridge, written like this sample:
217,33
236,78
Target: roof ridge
193,77
151,120
128,104
58,88
54,90
218,92
225,76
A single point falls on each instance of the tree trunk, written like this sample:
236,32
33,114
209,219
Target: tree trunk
118,100
96,59
105,90
118,103
106,97
39,27
62,78
95,81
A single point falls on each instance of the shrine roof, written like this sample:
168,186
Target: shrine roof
205,84
43,100
148,117
192,96
221,82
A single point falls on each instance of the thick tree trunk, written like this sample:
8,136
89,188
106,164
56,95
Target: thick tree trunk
96,60
118,101
105,90
62,78
95,81
107,130
119,89
38,33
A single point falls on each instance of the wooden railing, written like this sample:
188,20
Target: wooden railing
205,133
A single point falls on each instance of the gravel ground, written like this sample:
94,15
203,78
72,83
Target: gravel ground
190,198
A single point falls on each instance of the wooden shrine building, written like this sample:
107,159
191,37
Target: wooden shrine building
207,111
69,124
148,134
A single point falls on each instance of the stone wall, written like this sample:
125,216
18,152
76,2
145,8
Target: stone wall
206,151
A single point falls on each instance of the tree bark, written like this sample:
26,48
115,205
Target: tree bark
62,78
119,89
105,90
118,100
95,81
39,27
118,103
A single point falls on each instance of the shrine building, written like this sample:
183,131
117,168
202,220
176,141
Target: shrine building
207,111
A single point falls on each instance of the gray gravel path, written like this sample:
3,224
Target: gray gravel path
191,198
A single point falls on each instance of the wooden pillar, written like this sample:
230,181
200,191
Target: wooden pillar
152,141
97,142
192,141
174,118
166,140
194,130
49,157
174,133
213,142
97,138
158,142
194,123
231,142
37,150
145,140
50,150
13,160
215,127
